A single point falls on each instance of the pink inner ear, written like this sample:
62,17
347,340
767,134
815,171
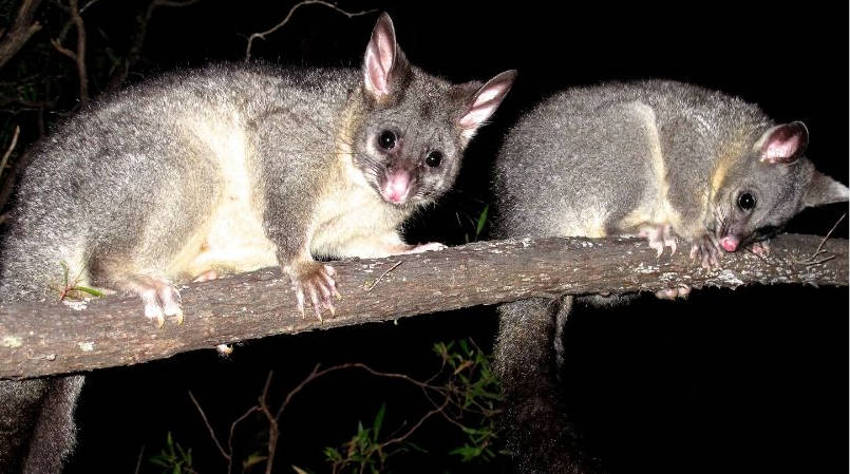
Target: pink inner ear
379,62
484,106
781,151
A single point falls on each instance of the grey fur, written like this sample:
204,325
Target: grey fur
122,193
583,155
596,161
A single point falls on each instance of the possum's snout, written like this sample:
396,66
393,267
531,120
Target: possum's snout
730,243
396,187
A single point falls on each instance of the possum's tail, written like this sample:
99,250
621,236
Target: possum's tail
529,353
37,428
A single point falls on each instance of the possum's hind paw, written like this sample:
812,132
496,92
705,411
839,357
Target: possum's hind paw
316,281
707,251
660,236
160,300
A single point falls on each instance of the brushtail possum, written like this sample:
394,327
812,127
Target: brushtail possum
668,161
234,168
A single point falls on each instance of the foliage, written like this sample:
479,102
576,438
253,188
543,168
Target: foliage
463,392
472,396
71,289
173,459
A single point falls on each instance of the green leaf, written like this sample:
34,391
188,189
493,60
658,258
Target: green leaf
379,420
332,454
253,459
91,291
64,272
482,219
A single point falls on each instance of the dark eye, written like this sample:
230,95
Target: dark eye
433,159
746,201
387,140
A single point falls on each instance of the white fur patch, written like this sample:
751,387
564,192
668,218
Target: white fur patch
655,208
233,238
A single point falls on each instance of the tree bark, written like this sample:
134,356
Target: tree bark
54,338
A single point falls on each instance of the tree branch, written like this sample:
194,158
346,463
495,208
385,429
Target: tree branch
262,34
21,30
79,57
137,40
44,339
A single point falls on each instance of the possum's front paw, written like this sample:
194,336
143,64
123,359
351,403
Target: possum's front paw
315,280
761,249
706,251
160,299
658,237
424,248
673,293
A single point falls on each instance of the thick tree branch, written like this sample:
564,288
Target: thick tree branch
43,339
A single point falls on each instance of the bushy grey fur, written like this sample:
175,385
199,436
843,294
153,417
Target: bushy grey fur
143,188
619,159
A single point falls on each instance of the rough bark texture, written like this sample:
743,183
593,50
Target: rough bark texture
55,338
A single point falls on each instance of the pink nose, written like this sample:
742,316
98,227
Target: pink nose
397,187
729,243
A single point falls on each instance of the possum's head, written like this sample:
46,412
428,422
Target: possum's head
410,135
762,190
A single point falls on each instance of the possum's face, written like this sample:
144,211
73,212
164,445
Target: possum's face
767,187
409,142
408,158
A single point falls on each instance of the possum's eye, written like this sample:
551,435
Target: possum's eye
433,159
746,201
387,140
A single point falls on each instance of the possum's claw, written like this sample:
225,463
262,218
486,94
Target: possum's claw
707,251
314,280
658,237
160,300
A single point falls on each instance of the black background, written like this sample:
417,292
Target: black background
748,381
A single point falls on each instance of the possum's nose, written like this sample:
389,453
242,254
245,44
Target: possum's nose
730,243
396,187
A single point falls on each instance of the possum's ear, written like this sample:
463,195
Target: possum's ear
783,143
484,102
384,64
824,190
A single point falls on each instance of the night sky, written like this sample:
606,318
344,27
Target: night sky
748,381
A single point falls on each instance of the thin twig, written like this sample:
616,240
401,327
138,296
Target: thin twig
9,150
139,460
175,4
370,287
262,35
137,40
209,427
274,427
417,425
233,431
79,56
828,234
819,250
